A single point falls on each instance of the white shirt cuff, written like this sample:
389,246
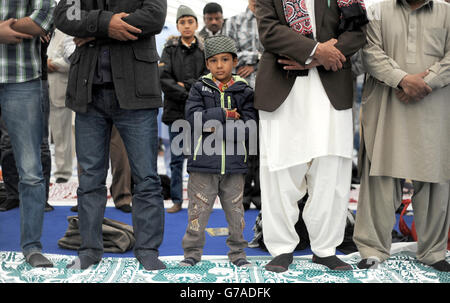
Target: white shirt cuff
309,60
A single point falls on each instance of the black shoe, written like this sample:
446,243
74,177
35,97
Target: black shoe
9,204
48,207
246,201
61,180
242,263
37,259
257,202
74,208
332,262
442,265
369,263
175,208
125,208
188,262
280,263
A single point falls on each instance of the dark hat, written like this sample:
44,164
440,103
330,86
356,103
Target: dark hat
183,11
219,44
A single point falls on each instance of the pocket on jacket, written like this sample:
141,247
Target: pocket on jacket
146,72
434,41
73,75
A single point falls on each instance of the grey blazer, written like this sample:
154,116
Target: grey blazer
133,63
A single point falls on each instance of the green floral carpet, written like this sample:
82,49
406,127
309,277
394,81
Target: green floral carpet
400,268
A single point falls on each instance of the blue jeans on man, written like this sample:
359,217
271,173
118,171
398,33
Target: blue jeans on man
139,132
22,113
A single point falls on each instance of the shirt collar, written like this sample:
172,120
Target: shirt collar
249,14
427,4
192,43
223,86
210,33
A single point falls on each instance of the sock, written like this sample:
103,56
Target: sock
442,265
369,263
188,262
151,262
82,262
280,263
242,262
332,262
37,259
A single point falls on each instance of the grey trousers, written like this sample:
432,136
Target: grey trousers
379,197
202,191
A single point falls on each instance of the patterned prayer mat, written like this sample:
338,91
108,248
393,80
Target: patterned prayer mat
400,268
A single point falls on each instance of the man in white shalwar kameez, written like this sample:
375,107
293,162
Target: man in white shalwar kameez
306,147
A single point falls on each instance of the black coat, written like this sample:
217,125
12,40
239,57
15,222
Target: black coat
179,63
206,98
134,64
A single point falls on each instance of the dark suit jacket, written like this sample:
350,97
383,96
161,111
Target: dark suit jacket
133,63
273,84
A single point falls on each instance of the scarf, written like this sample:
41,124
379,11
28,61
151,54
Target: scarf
353,15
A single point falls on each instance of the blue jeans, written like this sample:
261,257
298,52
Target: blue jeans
176,171
139,132
22,113
7,161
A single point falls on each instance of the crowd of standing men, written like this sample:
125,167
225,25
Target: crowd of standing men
295,55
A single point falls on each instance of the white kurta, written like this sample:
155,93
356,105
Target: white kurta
306,125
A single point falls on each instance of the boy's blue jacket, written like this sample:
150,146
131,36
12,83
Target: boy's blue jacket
231,152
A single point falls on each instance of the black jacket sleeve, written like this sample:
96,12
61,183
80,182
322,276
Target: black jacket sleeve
76,22
149,18
169,83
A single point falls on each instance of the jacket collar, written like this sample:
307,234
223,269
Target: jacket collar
239,82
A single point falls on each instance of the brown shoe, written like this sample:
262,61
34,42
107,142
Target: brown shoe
175,208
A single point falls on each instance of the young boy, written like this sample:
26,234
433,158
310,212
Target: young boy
182,63
217,96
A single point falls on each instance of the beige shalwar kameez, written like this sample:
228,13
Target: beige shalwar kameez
405,141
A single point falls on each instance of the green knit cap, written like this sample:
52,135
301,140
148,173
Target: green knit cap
219,44
184,11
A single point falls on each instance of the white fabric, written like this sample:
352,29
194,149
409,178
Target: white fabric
306,146
306,125
60,120
327,180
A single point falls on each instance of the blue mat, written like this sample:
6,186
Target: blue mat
55,226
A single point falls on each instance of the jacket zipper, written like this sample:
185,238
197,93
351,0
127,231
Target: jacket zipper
222,105
197,147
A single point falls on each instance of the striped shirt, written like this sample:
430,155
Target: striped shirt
22,62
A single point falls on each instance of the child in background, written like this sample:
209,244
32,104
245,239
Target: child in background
182,63
217,96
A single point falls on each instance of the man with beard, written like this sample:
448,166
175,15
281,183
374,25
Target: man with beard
405,128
